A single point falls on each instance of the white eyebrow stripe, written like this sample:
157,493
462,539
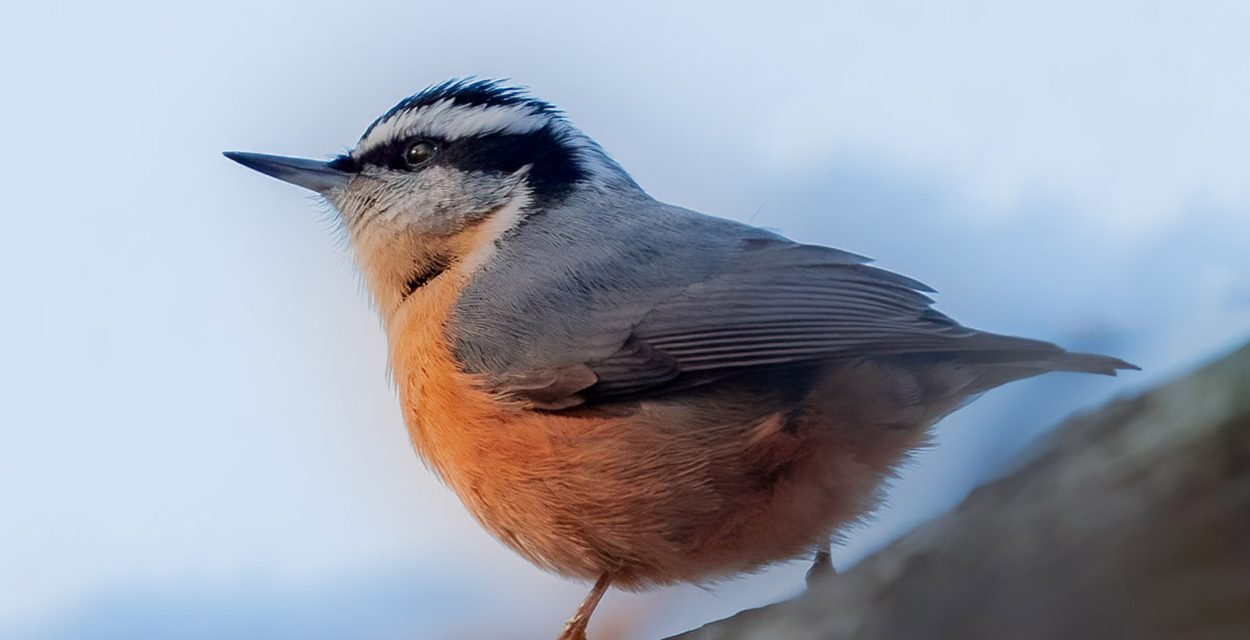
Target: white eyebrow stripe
450,121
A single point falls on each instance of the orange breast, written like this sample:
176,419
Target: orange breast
451,419
680,490
492,452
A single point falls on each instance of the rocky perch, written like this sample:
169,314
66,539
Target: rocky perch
1131,522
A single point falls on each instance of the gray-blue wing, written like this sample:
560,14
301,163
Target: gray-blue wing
705,310
781,303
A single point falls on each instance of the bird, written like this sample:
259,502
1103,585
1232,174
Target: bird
624,391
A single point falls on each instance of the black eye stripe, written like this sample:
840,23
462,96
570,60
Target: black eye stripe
391,154
554,166
346,163
502,152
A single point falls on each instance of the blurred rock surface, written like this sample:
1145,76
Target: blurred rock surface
1130,522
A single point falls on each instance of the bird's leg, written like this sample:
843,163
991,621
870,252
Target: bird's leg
575,628
822,567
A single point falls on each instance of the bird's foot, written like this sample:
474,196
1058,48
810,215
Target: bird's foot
821,569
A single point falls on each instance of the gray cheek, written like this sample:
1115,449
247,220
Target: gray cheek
436,201
450,199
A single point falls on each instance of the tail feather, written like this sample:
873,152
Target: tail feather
996,349
949,378
1090,363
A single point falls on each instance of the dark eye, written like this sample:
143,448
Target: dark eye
419,153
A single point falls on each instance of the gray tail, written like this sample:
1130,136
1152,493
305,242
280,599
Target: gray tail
977,362
992,348
1089,363
1000,359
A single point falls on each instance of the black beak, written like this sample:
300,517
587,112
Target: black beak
310,174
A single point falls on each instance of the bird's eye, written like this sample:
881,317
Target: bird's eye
419,153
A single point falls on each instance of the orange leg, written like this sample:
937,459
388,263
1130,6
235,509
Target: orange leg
575,628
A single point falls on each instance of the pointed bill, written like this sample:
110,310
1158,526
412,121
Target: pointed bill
316,175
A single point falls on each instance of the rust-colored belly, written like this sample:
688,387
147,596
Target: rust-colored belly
672,492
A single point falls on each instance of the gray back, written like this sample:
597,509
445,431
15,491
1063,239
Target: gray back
571,282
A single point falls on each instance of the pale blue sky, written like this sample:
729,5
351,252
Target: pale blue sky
196,426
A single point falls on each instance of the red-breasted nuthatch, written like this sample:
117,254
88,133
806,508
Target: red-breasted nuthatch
619,389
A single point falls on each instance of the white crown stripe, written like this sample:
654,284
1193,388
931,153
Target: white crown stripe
450,121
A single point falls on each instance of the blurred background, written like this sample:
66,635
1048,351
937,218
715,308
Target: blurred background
198,438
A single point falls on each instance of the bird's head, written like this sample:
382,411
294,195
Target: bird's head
458,156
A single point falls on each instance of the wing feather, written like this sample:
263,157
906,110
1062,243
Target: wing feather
671,299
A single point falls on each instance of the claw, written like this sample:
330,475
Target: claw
821,569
